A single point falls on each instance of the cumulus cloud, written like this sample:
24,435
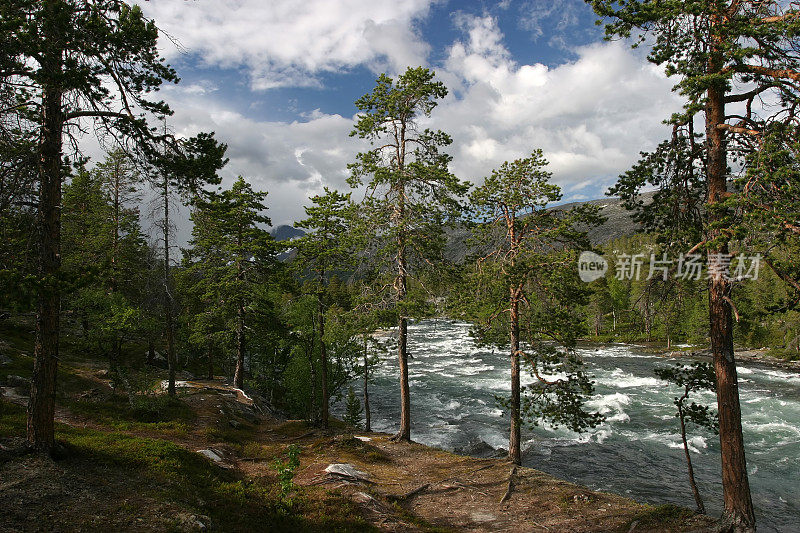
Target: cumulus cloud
291,160
284,43
591,116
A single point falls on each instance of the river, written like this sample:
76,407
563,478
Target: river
637,451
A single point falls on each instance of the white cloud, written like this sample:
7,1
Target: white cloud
288,42
591,116
291,160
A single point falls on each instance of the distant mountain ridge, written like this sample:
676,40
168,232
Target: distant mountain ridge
618,223
284,232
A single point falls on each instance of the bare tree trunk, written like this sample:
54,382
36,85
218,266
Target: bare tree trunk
238,377
168,322
41,408
735,484
210,360
323,357
402,326
151,351
697,499
514,452
367,424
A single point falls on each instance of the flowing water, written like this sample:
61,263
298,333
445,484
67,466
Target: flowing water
637,452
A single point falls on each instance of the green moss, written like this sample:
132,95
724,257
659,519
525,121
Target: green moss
12,419
356,449
664,516
408,516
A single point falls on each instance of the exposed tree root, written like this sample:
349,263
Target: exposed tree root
510,488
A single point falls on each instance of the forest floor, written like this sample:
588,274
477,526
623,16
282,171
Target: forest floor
207,462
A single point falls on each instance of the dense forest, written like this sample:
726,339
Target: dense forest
89,257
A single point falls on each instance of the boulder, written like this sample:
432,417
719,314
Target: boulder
17,381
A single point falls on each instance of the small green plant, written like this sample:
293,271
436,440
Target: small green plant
352,415
286,467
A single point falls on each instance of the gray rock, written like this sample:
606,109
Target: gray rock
211,454
347,471
192,522
17,381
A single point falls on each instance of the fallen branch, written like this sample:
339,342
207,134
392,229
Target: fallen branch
304,435
510,488
410,494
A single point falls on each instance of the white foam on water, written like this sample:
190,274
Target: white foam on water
771,428
607,403
625,380
780,375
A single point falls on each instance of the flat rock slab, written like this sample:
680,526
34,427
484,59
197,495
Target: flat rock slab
346,470
211,454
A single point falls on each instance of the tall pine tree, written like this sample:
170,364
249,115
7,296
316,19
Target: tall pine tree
410,191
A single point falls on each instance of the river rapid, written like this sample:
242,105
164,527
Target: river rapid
637,452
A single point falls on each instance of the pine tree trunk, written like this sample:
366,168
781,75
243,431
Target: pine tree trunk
735,485
402,326
312,411
115,236
151,351
41,408
168,324
238,377
210,360
514,452
323,360
367,423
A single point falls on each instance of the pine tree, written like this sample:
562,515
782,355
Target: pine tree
697,377
231,251
353,410
525,266
724,53
326,247
410,191
67,64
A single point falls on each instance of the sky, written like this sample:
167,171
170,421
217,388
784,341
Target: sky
277,80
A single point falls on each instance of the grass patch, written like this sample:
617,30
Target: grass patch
149,412
665,516
294,428
408,516
164,471
13,419
355,448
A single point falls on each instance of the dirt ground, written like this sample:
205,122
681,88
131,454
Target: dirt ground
398,487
